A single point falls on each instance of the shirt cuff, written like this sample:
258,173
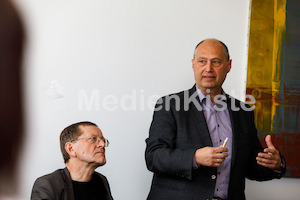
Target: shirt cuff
195,166
282,169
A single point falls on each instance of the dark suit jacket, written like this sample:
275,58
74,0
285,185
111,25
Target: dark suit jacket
58,186
178,130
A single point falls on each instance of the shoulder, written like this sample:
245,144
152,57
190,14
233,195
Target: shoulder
105,183
99,175
181,94
235,103
240,110
178,98
49,185
53,174
51,177
103,179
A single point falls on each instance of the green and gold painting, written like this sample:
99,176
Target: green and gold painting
273,75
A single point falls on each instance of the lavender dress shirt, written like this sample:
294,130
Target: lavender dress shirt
219,126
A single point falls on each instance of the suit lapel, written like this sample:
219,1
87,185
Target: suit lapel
106,187
234,126
200,122
69,185
199,118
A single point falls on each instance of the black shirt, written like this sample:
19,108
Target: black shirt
92,190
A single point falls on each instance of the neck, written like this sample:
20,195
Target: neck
212,93
79,172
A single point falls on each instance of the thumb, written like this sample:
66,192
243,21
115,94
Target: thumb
269,142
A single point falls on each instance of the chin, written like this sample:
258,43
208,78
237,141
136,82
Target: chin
102,162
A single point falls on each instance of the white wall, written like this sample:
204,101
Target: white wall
83,54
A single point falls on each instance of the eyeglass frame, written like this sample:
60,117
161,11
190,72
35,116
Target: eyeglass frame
204,61
90,138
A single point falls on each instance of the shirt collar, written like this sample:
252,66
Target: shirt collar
202,96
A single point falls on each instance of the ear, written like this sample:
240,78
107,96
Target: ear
229,65
70,149
192,63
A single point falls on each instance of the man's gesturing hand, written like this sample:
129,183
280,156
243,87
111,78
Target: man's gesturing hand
270,157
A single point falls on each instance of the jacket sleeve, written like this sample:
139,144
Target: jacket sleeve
258,172
161,153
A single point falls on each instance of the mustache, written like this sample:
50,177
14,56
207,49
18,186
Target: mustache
101,150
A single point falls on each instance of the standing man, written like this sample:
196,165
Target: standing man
186,150
83,148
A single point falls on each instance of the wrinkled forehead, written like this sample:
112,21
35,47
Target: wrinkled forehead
89,130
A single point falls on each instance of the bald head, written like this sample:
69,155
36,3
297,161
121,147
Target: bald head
226,52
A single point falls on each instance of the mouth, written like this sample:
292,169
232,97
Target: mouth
208,77
100,151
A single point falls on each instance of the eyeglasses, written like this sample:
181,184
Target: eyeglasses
94,140
214,62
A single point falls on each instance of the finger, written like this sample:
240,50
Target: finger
269,142
269,156
221,156
270,165
264,155
220,159
266,163
268,160
218,162
221,149
270,151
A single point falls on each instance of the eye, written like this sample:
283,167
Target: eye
216,62
93,139
202,62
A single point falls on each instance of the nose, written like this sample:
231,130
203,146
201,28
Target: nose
209,66
101,142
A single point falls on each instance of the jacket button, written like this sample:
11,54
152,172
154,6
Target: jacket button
213,177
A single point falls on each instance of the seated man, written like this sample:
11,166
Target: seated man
83,148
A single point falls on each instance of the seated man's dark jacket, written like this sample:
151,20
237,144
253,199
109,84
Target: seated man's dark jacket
175,135
58,186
